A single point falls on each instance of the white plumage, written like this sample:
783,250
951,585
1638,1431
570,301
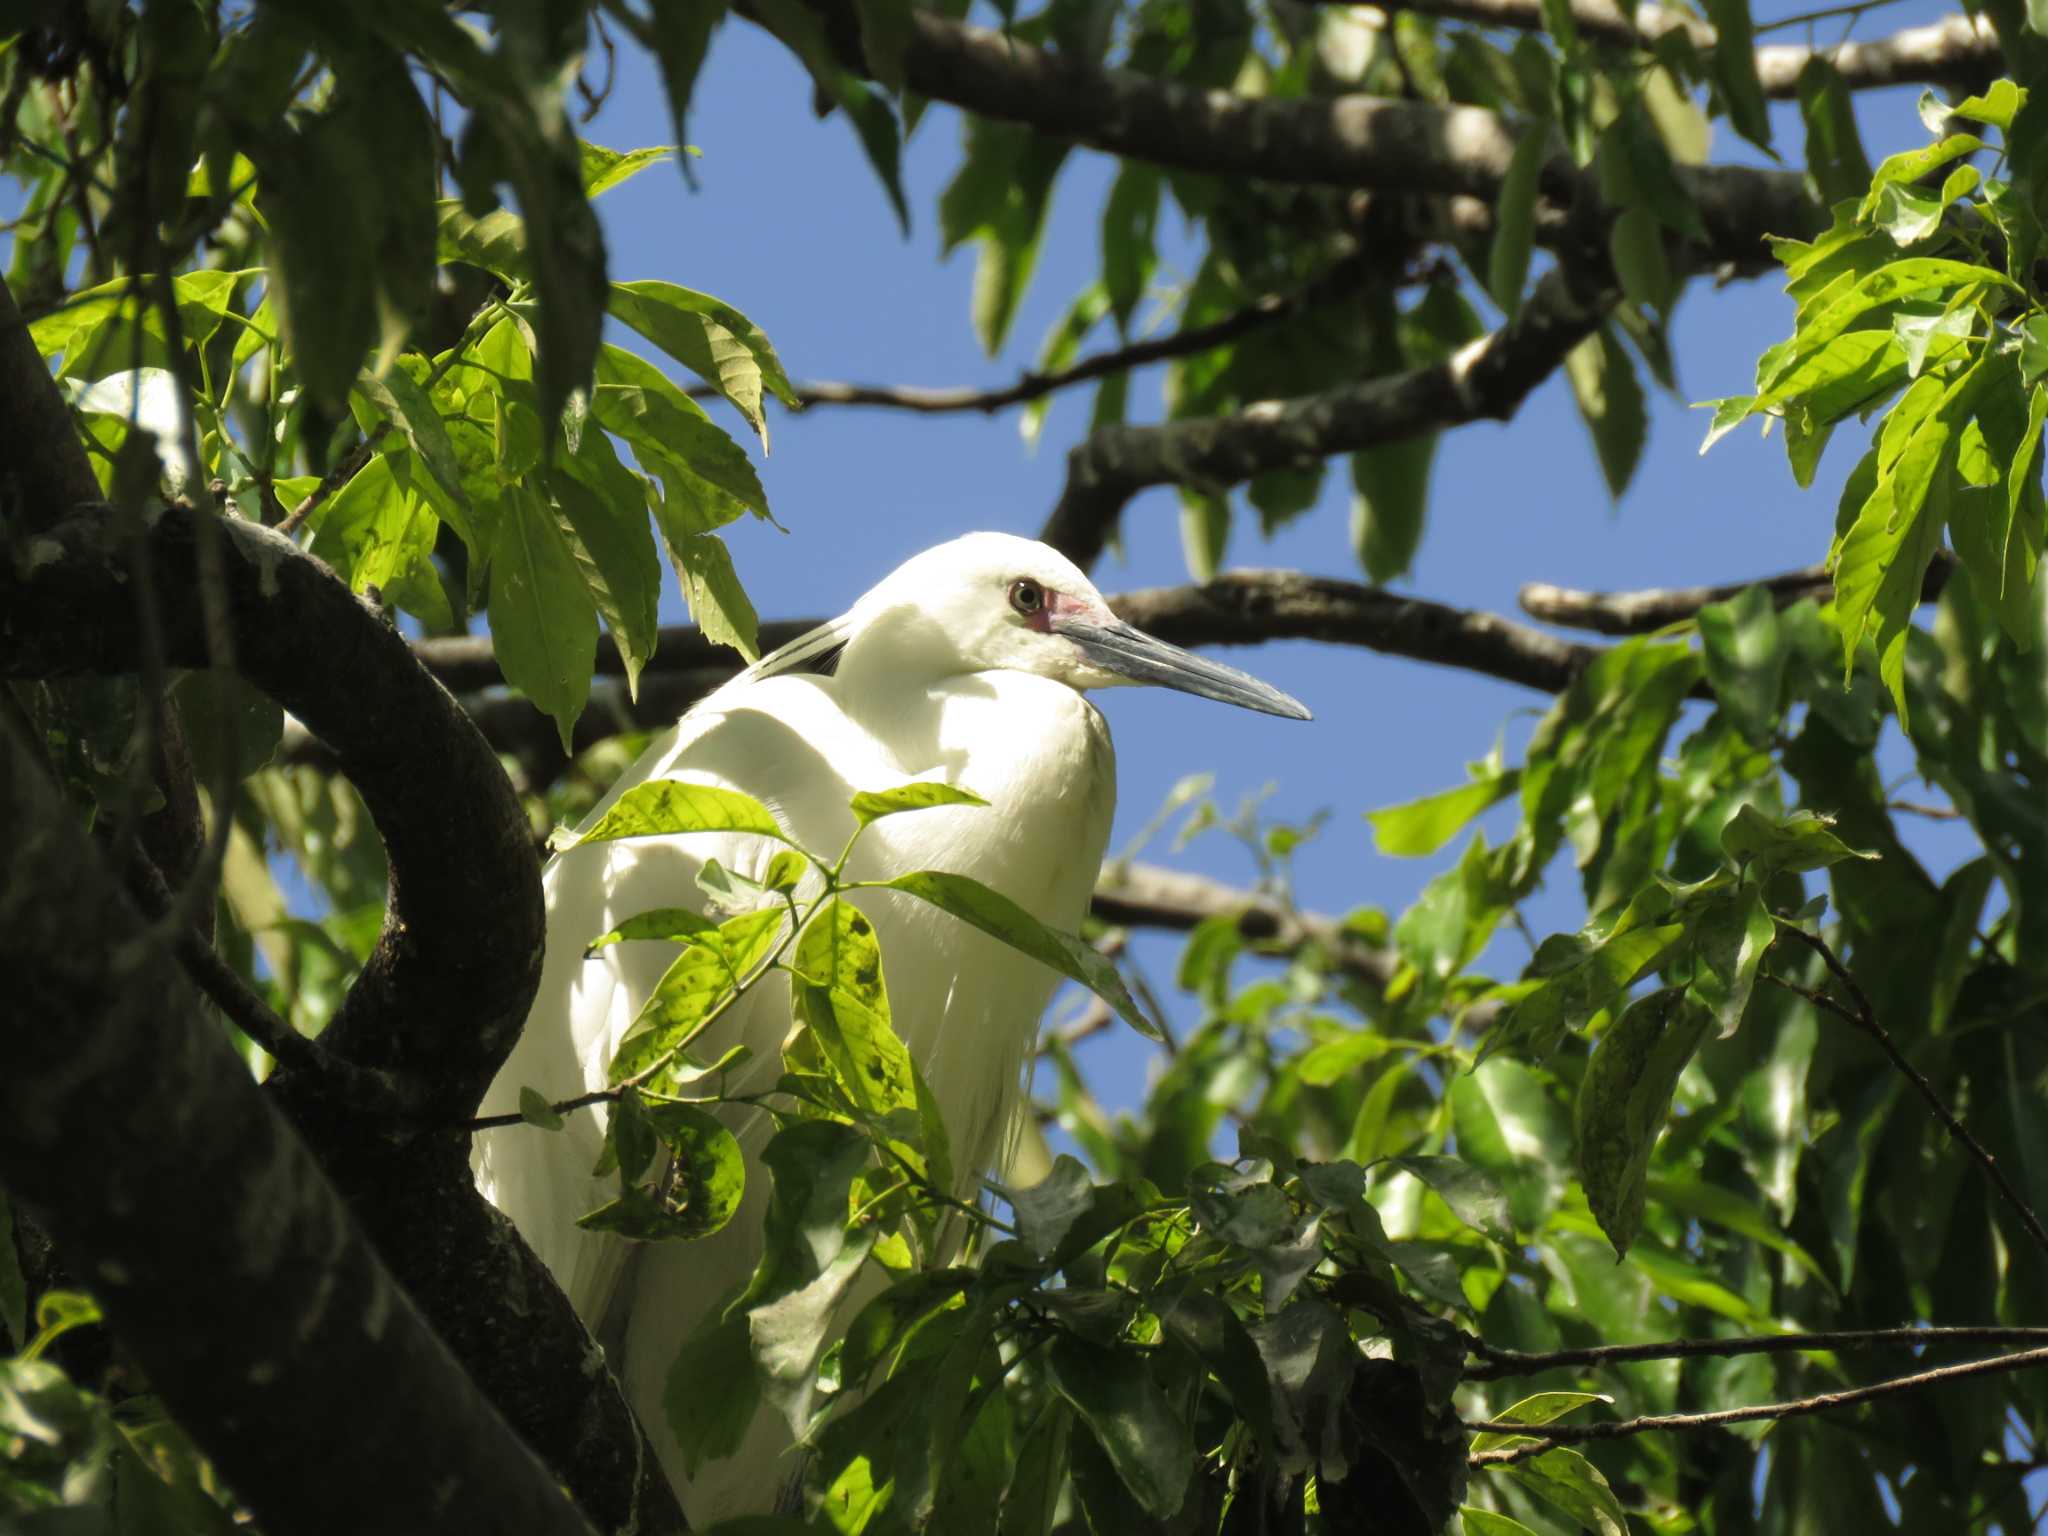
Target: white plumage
965,665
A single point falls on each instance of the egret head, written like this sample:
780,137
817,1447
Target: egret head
995,602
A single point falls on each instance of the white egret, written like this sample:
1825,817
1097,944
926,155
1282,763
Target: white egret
967,664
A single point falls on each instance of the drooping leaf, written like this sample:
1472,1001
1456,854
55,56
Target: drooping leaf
1147,1442
1625,1100
663,807
1001,918
871,805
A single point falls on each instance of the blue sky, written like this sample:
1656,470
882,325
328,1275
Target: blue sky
788,223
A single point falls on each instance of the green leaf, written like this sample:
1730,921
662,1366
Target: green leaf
541,617
1624,1100
1514,220
673,924
711,339
712,588
711,1425
1147,1442
1834,150
707,1174
1209,1330
1637,246
866,109
1129,216
1474,1195
496,242
613,546
869,806
1484,1522
708,478
604,168
401,401
1538,1408
1588,972
1998,105
1032,1500
1390,485
1047,1209
1902,170
663,807
886,30
1733,67
1729,937
1804,840
1890,284
810,1259
1610,401
231,728
840,996
1332,1061
681,36
1001,918
1567,1481
1745,659
534,1109
1423,826
999,198
708,972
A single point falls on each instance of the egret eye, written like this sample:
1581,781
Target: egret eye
1027,596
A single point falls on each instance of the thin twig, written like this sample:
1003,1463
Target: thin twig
1826,13
1864,1017
362,1087
1545,1436
1498,1363
1033,385
335,478
559,1107
1931,812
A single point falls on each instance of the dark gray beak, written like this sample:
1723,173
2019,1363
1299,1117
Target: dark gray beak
1117,647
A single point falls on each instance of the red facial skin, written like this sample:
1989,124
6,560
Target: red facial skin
1059,605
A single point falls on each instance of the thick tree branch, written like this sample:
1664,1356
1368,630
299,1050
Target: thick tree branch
445,992
1957,50
227,1261
1544,1436
1348,141
1639,612
438,1005
1237,608
1487,378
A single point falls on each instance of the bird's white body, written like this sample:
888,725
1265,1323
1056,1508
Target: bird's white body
947,675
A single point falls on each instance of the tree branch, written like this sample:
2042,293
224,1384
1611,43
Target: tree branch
1547,1435
1131,895
1489,377
1639,612
1261,312
1864,1017
1957,50
438,1004
1348,141
1237,608
227,1261
445,992
1497,1363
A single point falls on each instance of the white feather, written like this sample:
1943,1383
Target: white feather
899,708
